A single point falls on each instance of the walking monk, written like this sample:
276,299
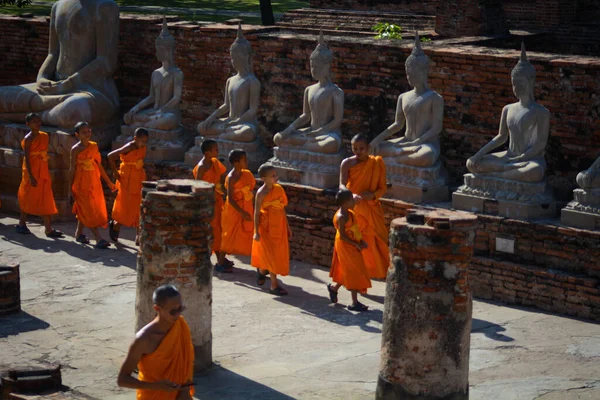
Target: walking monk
348,267
86,187
162,352
270,247
129,178
364,176
211,170
35,192
236,220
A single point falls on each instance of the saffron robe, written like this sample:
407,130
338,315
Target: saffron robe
90,206
37,200
272,251
213,175
237,233
369,175
126,208
348,266
173,360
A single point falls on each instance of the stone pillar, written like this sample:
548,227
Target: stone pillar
10,287
428,306
175,238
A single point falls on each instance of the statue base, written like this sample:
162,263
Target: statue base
416,184
256,152
162,145
505,198
584,211
307,168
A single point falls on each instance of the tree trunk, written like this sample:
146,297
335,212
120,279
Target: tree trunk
266,13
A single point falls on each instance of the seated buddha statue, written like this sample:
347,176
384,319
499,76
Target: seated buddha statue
526,124
323,109
160,110
75,82
590,178
242,98
421,111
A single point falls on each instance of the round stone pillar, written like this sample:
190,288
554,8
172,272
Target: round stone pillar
175,239
10,287
428,307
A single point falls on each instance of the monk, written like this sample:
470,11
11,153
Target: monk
270,247
348,267
236,220
364,176
162,352
35,192
86,187
211,170
129,178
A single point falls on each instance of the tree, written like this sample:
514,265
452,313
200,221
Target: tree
266,12
18,3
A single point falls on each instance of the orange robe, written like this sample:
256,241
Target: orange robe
90,206
37,200
348,266
213,175
369,175
272,251
237,233
173,360
126,208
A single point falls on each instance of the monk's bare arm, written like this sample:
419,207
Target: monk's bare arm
28,141
344,167
203,168
260,195
114,155
104,176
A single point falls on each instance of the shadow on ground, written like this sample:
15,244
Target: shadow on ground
19,323
221,383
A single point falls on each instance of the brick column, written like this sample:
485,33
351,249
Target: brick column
175,237
10,287
455,18
428,305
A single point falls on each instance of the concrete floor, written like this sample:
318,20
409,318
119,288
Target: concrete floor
78,310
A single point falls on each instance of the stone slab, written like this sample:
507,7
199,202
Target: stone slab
256,151
580,219
162,145
503,208
415,184
417,194
307,168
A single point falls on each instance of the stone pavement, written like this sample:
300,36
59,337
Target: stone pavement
78,310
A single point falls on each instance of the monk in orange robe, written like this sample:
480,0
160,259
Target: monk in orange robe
129,177
364,176
211,170
236,220
35,192
348,267
162,352
86,187
270,247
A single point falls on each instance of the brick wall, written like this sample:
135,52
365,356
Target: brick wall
416,6
539,14
456,18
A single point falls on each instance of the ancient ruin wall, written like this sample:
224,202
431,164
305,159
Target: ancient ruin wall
412,6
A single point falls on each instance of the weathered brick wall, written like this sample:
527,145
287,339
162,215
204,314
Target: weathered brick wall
416,6
456,18
539,14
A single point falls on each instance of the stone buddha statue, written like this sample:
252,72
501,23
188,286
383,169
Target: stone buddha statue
75,82
584,210
242,98
526,124
590,178
323,108
160,110
421,111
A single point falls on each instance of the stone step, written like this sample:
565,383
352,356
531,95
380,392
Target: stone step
10,179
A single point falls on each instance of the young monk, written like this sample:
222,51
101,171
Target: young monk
236,220
211,170
86,187
270,247
129,178
162,352
364,176
348,268
35,192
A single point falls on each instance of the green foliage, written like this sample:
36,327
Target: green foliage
18,3
387,31
425,40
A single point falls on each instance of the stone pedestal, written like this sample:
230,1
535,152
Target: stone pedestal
11,161
428,308
162,145
306,168
584,211
10,287
256,151
510,199
414,184
175,239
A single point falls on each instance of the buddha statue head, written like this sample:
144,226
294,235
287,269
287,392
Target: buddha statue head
165,43
321,59
241,52
417,64
523,76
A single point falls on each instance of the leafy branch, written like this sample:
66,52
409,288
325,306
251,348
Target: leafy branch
388,31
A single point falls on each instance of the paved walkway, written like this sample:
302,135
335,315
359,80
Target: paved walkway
78,310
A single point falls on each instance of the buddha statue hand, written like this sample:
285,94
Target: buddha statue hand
204,125
128,117
47,87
